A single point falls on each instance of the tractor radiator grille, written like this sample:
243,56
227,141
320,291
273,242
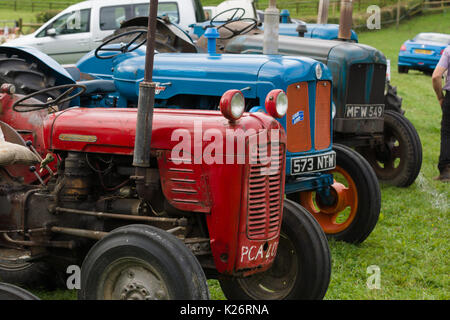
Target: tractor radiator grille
378,84
298,127
322,134
366,83
264,192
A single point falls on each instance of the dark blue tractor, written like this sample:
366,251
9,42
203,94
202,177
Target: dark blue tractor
332,181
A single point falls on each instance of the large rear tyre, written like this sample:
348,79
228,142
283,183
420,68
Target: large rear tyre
10,292
301,269
25,76
141,262
398,161
25,274
351,210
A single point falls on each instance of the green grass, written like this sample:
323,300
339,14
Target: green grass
410,243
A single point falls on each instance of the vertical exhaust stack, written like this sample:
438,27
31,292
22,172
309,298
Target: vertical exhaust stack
146,102
346,20
322,14
271,27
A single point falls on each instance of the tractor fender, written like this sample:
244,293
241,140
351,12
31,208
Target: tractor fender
47,64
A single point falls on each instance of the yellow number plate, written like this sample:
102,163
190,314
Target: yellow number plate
423,51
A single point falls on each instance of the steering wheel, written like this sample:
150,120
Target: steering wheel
235,12
234,32
124,47
63,97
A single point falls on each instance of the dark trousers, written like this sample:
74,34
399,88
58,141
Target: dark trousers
444,157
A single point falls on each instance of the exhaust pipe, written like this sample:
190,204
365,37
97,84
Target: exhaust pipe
322,14
271,27
146,102
346,20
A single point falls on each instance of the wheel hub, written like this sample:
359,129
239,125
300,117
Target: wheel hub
339,196
131,281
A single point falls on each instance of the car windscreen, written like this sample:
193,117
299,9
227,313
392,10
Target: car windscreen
433,37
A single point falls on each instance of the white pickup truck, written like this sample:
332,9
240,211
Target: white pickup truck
81,27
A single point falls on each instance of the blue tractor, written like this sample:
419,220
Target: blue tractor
369,115
246,11
332,181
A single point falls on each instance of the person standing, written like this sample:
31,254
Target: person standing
444,101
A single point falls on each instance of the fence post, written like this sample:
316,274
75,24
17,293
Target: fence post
398,13
20,25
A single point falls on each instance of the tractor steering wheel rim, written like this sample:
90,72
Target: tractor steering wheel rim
123,48
241,31
62,98
211,22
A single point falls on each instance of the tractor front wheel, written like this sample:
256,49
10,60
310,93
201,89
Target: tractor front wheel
141,262
398,161
350,211
301,269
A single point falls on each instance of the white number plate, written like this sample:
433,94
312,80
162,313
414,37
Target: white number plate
308,164
364,110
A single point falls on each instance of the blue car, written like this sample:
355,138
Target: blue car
423,52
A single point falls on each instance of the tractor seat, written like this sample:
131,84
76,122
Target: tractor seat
98,86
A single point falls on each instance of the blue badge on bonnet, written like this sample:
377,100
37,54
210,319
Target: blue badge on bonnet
297,117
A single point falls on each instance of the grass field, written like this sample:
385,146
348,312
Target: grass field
410,243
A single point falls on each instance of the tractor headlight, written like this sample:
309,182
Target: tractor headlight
276,103
333,110
232,104
318,71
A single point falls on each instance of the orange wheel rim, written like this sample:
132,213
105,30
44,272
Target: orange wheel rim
347,197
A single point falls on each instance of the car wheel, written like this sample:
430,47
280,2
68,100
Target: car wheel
403,69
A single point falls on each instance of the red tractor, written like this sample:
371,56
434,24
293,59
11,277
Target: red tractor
113,190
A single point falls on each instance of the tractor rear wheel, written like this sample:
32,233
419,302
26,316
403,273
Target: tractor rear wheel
398,161
25,76
28,274
141,262
10,292
301,269
350,211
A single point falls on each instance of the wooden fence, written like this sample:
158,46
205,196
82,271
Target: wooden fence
393,11
35,5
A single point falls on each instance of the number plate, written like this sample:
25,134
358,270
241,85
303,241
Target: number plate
364,110
308,164
423,51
